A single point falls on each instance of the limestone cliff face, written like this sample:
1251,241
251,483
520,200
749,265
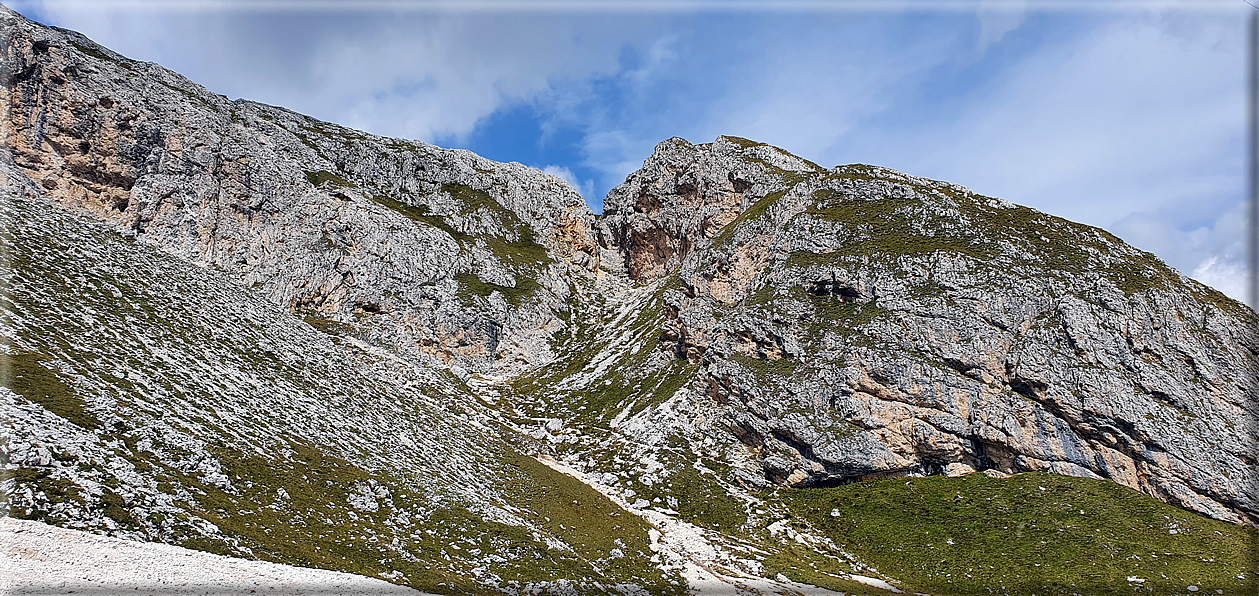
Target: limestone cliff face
437,251
735,306
683,196
858,321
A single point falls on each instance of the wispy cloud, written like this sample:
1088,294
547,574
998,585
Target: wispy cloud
802,84
996,19
1136,125
1213,250
1230,277
429,76
583,187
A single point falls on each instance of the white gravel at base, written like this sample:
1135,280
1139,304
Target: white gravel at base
37,558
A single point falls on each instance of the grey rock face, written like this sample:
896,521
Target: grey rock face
151,399
438,252
861,322
800,326
683,196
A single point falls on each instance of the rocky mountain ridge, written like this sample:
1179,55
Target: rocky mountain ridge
208,301
313,213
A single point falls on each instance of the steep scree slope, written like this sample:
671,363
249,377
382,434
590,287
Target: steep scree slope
151,399
318,346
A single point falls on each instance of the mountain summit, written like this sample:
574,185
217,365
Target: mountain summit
238,329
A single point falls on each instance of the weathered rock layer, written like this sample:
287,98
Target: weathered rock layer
405,239
858,321
798,325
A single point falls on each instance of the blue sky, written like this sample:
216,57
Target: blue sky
1130,117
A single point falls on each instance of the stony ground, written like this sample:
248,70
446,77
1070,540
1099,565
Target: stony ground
43,559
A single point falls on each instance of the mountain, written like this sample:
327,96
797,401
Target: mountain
239,329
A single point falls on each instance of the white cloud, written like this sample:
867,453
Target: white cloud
996,19
1214,252
440,80
1230,278
1137,126
800,88
1122,120
583,187
424,75
807,92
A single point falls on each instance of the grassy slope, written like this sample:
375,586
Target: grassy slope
1026,534
1007,534
86,295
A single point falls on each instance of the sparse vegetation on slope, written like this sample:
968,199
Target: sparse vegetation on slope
210,441
841,325
24,373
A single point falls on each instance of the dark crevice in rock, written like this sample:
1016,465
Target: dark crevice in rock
803,448
835,289
958,365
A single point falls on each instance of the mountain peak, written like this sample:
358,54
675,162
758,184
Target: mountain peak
244,330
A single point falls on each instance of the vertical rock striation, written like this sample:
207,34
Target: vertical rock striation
436,251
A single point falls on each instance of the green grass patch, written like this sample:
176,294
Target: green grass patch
638,382
421,214
471,285
756,211
330,326
588,522
654,390
56,490
190,95
1134,280
311,526
856,171
742,142
849,315
473,198
884,226
345,135
1052,245
697,496
525,252
765,367
1210,296
670,380
22,372
750,144
1060,245
99,55
970,534
114,508
807,565
704,502
320,177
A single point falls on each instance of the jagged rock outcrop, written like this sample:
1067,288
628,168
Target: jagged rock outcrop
436,251
857,321
682,196
240,329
